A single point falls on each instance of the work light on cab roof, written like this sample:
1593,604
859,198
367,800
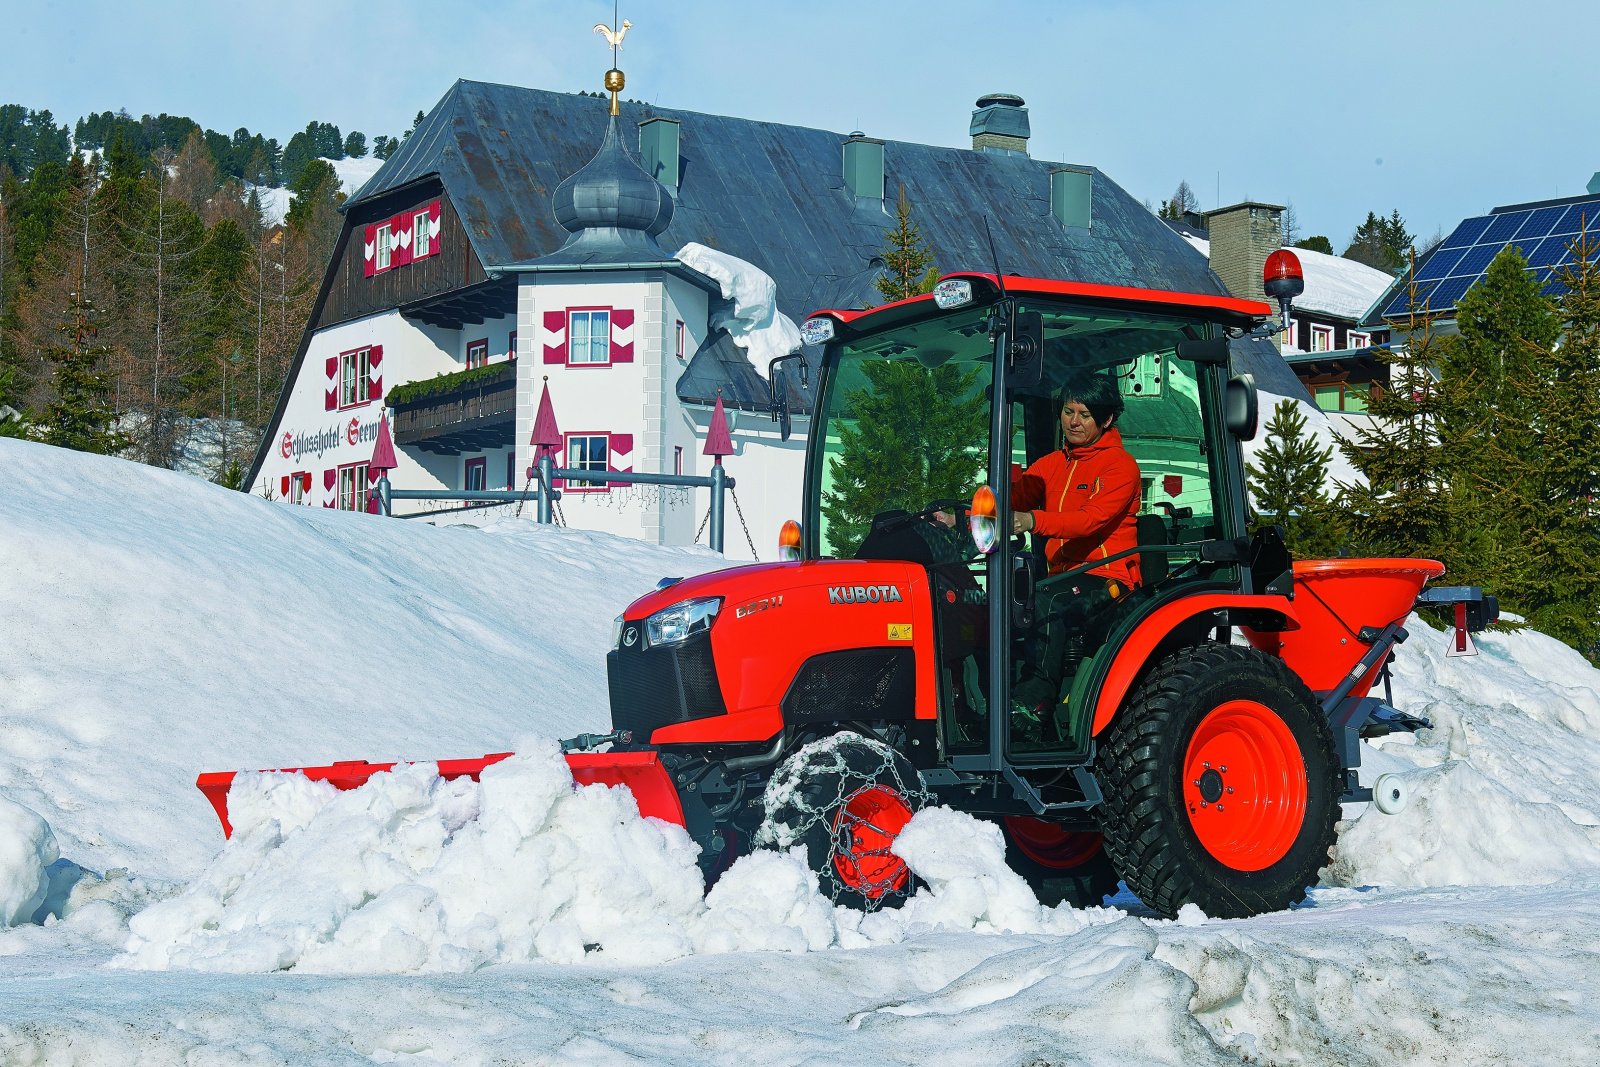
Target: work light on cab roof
817,331
953,293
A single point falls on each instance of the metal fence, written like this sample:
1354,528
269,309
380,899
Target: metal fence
544,494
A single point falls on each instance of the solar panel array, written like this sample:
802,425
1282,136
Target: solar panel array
1544,234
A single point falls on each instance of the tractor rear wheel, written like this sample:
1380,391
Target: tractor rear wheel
846,798
1060,865
1221,785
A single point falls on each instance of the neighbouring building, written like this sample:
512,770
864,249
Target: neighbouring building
522,245
1327,346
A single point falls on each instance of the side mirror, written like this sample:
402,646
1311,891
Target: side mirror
1211,351
1241,407
1025,360
780,405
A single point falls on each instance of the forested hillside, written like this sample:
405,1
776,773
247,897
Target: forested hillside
144,287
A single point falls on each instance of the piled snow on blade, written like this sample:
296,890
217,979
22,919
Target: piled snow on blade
414,873
157,626
1503,789
753,320
27,849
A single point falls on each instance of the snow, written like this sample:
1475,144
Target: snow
27,849
1319,427
353,174
753,321
158,626
1334,285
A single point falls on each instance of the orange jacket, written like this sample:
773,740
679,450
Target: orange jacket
1084,501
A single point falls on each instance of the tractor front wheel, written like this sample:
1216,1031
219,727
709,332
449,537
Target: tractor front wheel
846,798
1221,785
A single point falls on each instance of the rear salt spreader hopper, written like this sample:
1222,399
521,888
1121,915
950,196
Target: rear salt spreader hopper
1202,723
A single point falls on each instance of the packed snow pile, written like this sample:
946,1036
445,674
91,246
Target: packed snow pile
157,626
1503,788
753,319
416,873
27,849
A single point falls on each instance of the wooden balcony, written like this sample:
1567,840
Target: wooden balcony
477,413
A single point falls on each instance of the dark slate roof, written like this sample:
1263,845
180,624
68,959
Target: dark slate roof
775,196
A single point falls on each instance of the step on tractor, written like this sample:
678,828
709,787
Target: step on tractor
1202,725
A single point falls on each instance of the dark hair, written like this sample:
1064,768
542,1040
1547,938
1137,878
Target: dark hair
1095,392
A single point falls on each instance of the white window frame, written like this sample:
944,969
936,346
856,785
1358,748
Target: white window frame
1358,339
478,465
385,242
353,487
587,462
421,233
1323,334
299,482
481,347
590,317
355,378
681,332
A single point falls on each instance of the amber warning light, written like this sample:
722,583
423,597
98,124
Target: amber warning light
789,542
1283,280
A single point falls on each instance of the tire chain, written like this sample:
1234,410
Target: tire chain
826,757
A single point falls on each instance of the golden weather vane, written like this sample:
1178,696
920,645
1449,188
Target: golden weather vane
614,36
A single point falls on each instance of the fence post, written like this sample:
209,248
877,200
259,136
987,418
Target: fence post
718,477
546,486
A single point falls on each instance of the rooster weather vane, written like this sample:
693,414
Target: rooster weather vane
614,36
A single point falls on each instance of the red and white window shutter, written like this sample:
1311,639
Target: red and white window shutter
622,335
619,457
402,238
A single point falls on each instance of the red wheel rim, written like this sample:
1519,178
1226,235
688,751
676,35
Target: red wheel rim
864,829
1047,844
1244,785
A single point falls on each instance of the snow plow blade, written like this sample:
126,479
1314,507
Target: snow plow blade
640,772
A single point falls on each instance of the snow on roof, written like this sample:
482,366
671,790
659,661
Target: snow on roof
1334,285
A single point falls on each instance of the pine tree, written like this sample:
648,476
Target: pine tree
1489,420
1182,201
912,431
908,262
1288,483
1318,243
1565,582
355,144
80,416
1398,511
1381,242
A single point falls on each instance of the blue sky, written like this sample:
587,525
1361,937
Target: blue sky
1442,110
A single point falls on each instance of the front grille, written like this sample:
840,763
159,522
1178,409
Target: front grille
656,687
861,683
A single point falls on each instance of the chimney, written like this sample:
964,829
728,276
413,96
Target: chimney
658,150
1594,183
1242,237
1071,196
1000,124
863,167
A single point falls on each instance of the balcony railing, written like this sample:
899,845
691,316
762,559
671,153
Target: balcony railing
469,415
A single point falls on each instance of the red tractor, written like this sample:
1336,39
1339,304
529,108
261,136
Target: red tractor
1203,726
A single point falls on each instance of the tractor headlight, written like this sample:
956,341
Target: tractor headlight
616,632
675,625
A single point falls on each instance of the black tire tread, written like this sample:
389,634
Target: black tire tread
1140,837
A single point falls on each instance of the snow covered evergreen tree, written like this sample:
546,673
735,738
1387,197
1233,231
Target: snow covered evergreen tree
1288,484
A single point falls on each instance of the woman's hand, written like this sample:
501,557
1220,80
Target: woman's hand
1021,522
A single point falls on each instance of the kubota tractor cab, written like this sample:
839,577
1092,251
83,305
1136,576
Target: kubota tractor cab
1202,727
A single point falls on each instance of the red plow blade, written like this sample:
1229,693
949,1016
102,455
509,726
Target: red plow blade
640,772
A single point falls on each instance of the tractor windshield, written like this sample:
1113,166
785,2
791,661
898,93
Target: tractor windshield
905,424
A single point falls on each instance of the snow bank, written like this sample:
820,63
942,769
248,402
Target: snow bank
412,873
158,626
1503,788
754,322
27,849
